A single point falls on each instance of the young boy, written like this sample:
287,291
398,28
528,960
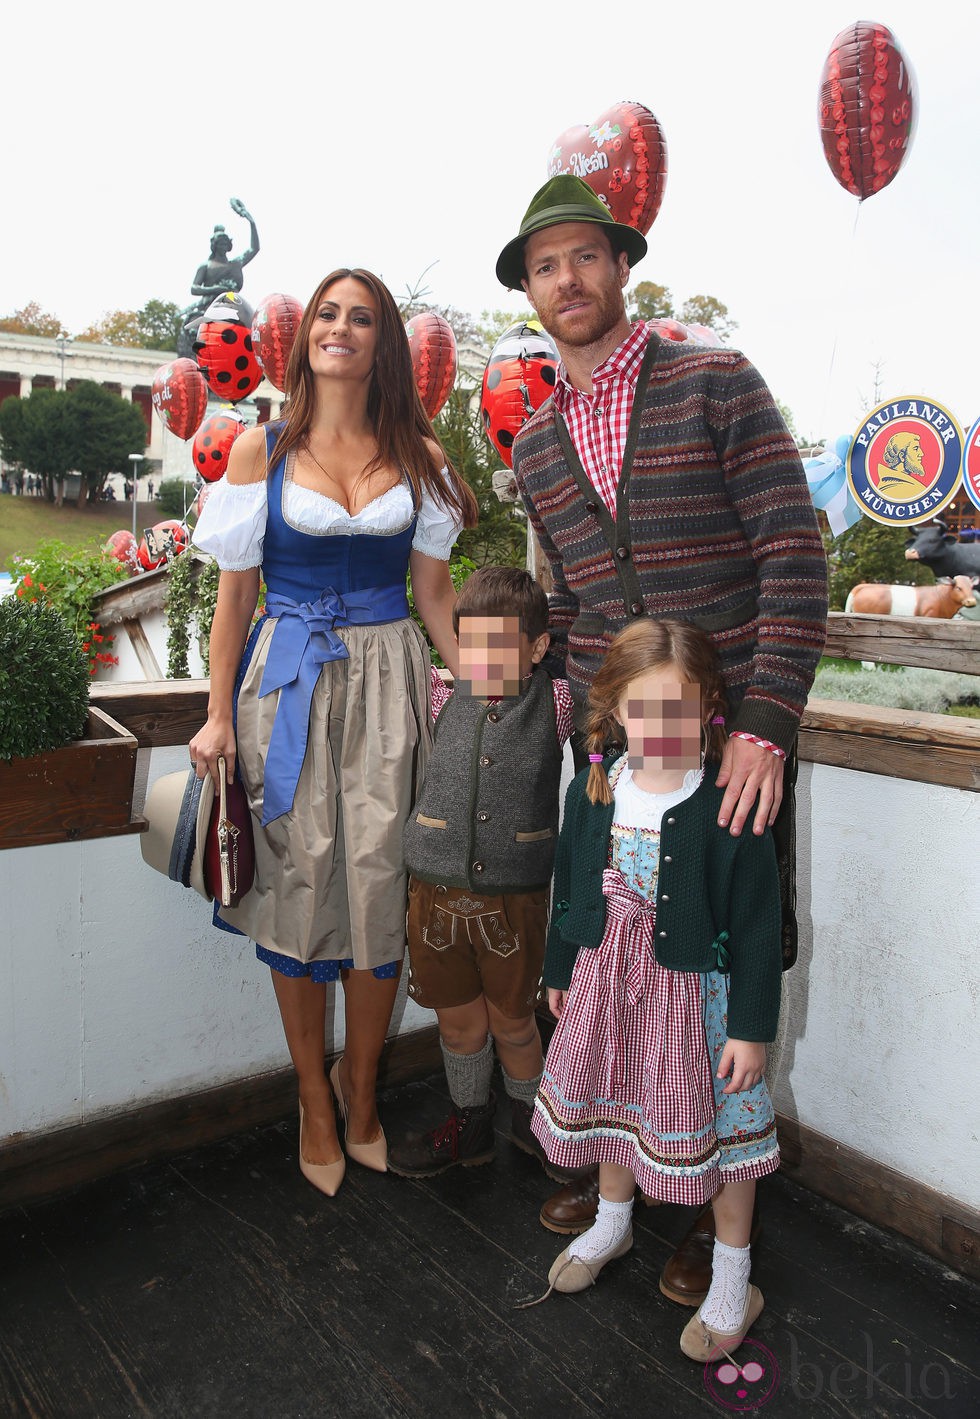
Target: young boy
480,846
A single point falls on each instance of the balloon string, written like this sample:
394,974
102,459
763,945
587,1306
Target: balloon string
833,352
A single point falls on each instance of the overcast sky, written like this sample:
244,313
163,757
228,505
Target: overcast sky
403,137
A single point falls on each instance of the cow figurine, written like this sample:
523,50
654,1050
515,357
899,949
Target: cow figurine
939,603
937,547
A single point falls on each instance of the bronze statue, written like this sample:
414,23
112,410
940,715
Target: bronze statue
221,272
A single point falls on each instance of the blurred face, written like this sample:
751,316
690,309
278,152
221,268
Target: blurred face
345,331
495,655
662,716
575,283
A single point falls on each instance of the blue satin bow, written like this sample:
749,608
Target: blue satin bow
826,476
304,638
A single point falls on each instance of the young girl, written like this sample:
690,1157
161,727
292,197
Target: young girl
663,970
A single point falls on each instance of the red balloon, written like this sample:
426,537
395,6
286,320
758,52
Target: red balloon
180,396
123,546
705,334
224,350
623,158
867,108
520,375
213,441
201,499
433,346
274,328
161,540
669,329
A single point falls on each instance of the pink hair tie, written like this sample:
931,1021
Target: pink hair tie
718,719
595,758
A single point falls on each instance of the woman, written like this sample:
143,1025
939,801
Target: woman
325,709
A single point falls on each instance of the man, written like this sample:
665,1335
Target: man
661,480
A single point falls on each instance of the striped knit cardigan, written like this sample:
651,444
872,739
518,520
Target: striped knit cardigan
714,524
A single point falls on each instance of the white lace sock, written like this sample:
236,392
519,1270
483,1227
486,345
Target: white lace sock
612,1222
724,1305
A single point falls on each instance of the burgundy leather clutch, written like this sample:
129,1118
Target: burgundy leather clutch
229,853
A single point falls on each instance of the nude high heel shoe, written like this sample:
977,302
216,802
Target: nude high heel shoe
370,1155
327,1177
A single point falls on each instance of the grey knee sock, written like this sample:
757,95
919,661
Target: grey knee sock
523,1089
469,1075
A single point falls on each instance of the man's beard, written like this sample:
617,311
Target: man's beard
588,328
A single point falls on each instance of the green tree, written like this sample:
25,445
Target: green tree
117,327
648,301
155,327
160,324
788,420
500,537
37,435
493,323
709,311
870,552
32,320
106,429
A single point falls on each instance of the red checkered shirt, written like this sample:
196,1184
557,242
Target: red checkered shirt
598,422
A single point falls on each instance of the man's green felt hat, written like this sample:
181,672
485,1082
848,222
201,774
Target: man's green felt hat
565,199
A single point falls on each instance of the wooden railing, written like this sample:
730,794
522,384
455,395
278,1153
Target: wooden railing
930,748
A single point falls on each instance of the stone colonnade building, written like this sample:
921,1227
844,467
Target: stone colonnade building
29,362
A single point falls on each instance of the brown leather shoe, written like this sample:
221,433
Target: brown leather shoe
572,1208
687,1274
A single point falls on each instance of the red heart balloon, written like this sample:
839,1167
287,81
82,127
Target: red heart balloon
433,346
123,546
867,108
274,328
213,441
180,396
623,158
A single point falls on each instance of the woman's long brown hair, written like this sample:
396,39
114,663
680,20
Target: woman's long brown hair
644,646
401,425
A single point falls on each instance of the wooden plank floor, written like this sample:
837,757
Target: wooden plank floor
221,1284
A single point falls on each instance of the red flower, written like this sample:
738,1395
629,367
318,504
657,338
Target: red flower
28,581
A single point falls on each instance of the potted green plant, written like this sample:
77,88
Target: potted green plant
67,770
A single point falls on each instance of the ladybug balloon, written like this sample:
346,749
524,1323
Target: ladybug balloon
180,396
867,108
162,540
274,326
213,441
122,545
520,375
433,346
223,346
622,155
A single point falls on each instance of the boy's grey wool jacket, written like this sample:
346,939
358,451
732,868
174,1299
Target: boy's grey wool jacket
487,815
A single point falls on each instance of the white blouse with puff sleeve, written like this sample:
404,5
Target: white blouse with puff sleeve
231,527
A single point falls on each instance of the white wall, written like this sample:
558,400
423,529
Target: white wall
116,990
882,1027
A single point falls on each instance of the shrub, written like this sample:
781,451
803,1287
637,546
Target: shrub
929,691
68,578
43,680
174,495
